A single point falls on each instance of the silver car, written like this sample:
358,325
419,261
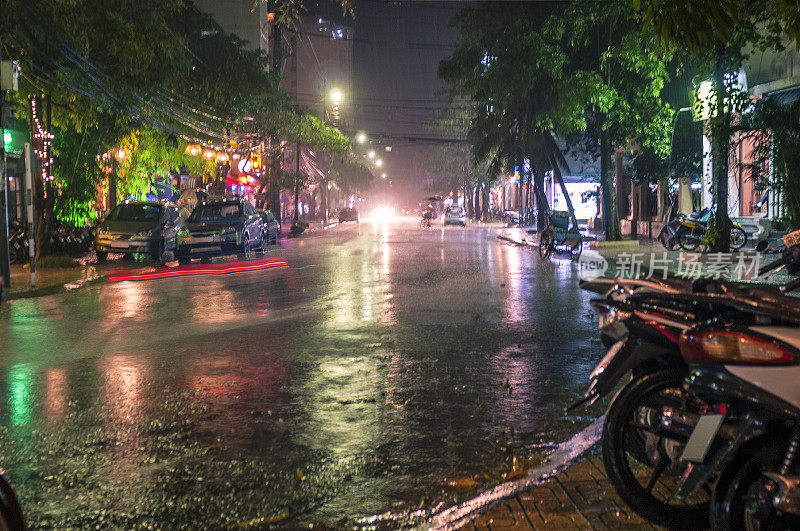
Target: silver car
143,227
454,215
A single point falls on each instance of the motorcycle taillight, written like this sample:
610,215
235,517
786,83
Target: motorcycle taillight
735,348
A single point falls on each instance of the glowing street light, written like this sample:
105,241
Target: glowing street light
336,96
361,138
120,154
379,163
383,175
371,154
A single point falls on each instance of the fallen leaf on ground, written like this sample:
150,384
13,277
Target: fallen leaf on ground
460,483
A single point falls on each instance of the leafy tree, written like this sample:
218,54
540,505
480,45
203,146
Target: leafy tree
513,75
719,33
774,130
131,76
533,70
628,79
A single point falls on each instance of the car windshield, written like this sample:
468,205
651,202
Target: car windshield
215,212
135,212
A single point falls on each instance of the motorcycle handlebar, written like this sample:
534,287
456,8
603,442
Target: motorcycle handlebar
791,286
774,265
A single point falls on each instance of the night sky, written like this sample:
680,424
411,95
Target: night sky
397,49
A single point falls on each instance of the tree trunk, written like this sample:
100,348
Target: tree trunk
719,152
484,201
610,211
297,186
542,206
560,179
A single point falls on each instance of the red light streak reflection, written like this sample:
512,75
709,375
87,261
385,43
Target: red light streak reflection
197,269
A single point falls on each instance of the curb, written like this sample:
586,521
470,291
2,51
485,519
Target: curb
566,453
622,244
510,240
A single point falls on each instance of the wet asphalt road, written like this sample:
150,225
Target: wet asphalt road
344,389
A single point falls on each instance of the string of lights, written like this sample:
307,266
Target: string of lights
42,140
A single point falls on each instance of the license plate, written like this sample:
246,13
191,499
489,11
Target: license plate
702,436
119,245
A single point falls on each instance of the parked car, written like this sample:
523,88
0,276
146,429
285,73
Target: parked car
270,226
138,227
511,217
348,214
454,215
220,227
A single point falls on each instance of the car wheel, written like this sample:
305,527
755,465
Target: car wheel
246,246
158,253
102,256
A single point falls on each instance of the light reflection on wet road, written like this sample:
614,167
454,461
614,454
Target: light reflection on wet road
384,360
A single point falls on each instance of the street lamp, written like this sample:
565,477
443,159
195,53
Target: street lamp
371,154
361,138
383,175
379,163
120,154
336,96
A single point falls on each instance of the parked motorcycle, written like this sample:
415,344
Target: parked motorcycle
650,419
692,229
18,244
640,450
749,437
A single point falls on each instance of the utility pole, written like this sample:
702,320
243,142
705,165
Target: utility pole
29,193
112,184
324,193
297,185
5,265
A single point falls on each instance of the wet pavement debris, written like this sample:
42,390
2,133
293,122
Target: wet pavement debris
580,497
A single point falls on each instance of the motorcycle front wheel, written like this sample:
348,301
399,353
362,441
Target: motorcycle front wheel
643,466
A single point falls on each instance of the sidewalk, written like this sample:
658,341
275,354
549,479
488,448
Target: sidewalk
580,497
645,257
50,280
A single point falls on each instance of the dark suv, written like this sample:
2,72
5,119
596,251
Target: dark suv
220,227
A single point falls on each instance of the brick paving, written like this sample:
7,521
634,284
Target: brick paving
580,497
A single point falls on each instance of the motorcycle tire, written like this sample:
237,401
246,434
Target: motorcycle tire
738,238
546,243
11,516
687,241
739,482
622,443
158,254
